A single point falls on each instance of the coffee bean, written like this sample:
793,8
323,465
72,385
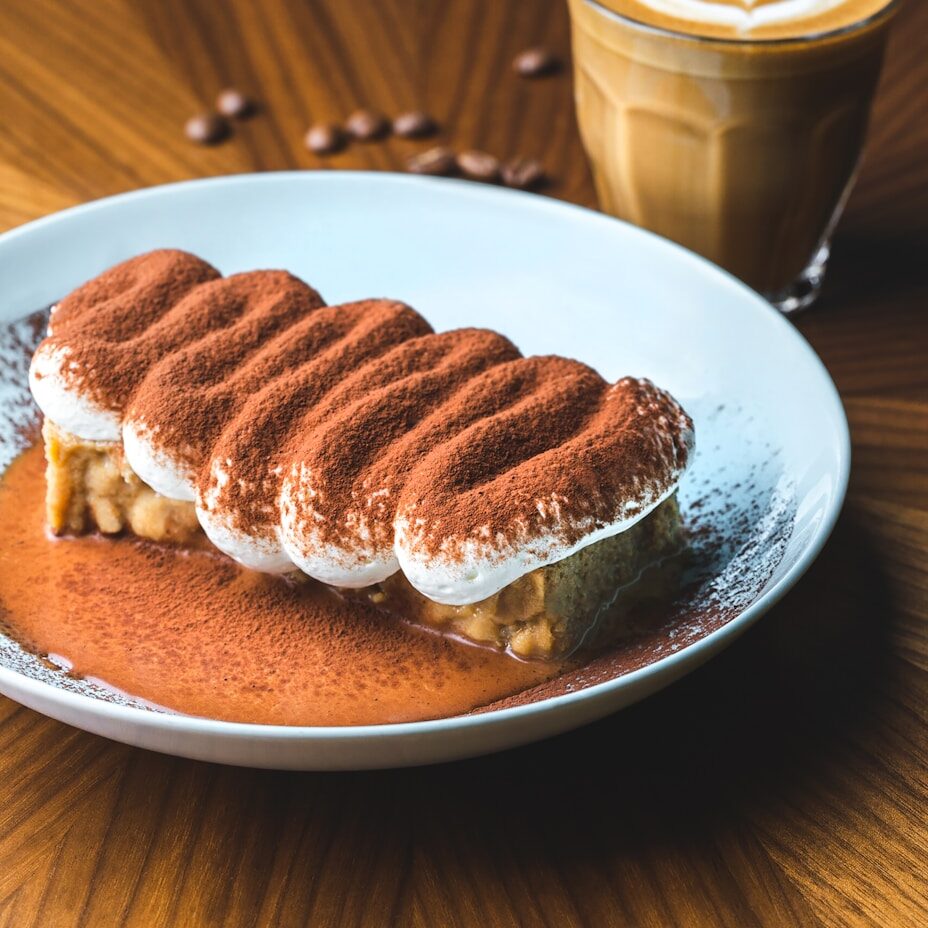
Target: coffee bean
234,104
367,125
535,62
523,173
436,161
413,125
206,128
324,138
478,165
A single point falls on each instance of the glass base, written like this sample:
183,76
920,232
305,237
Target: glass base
805,290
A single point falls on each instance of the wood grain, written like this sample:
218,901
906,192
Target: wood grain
783,784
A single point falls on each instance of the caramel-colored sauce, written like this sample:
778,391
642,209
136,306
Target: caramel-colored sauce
193,632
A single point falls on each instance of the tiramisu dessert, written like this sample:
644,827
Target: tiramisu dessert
442,476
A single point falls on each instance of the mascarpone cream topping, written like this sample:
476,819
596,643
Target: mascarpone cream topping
350,442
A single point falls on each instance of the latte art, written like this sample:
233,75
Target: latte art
744,15
749,18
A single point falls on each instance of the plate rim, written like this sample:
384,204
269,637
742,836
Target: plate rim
673,666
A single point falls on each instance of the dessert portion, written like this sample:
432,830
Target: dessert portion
445,475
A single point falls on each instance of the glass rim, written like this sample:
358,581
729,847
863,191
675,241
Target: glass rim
874,17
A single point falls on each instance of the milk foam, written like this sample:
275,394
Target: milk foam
744,16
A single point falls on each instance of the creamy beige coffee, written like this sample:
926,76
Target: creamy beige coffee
732,127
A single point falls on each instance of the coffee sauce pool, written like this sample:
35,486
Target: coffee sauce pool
190,631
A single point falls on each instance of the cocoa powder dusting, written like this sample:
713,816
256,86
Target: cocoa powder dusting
191,394
593,453
343,346
109,324
505,383
386,423
367,421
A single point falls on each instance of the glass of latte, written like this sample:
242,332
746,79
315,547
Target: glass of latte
733,127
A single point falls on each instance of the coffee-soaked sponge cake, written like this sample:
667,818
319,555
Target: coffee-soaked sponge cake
444,471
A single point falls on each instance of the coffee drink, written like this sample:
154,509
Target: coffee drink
733,127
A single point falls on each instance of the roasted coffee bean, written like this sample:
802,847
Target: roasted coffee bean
234,104
535,62
523,173
413,125
324,138
367,125
478,165
436,161
206,128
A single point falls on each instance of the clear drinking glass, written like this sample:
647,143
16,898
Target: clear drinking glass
743,151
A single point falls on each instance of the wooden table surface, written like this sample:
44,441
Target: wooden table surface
783,784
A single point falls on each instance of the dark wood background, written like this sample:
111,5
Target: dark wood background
783,784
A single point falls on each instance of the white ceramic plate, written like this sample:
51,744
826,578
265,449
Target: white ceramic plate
771,433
